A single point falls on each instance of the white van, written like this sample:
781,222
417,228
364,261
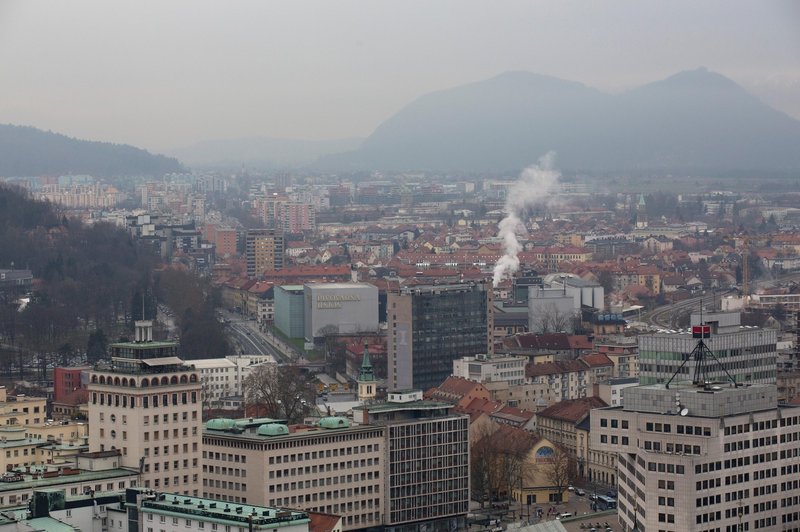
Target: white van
563,515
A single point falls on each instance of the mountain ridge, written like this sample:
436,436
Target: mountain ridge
29,151
694,120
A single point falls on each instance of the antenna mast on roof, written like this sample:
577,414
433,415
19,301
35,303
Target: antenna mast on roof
700,354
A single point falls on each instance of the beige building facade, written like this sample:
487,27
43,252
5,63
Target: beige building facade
148,405
329,468
703,458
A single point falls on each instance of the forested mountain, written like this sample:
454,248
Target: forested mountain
694,121
27,151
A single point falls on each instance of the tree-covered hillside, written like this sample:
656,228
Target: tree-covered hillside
27,151
88,278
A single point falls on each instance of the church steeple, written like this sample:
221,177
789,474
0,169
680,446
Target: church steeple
641,213
366,378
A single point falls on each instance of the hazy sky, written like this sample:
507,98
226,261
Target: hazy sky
166,74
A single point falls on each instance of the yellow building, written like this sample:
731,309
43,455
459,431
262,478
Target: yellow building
21,409
508,462
17,451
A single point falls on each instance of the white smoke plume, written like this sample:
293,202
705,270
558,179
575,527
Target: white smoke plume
533,187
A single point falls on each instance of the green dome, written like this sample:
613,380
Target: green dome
221,423
334,422
272,429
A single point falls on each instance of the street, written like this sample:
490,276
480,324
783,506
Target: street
251,341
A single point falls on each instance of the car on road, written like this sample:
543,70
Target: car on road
580,492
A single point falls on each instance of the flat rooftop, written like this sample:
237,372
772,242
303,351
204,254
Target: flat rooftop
714,400
225,513
29,482
339,286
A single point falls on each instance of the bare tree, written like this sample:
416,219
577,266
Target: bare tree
560,470
499,460
483,459
512,465
280,392
549,318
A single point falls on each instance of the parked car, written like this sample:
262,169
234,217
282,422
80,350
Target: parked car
580,492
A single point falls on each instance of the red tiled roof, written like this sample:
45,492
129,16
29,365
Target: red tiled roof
513,439
477,407
515,416
454,389
323,522
553,368
573,410
595,360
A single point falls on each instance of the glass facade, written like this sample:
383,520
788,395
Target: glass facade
429,469
447,325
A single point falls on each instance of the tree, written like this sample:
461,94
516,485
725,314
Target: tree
560,471
548,317
483,457
280,392
606,280
96,347
779,312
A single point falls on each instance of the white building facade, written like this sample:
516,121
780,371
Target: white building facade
703,458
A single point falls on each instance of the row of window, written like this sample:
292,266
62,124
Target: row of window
314,469
236,472
225,457
125,401
184,432
183,448
175,465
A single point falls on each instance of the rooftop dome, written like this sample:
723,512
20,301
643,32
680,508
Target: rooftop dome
272,429
221,423
334,422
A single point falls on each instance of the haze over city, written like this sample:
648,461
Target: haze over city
399,266
163,76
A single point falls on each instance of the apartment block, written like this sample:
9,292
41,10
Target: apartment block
263,251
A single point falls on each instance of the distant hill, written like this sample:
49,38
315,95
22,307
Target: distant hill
694,121
27,151
260,152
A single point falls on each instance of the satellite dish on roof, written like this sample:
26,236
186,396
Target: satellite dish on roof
685,412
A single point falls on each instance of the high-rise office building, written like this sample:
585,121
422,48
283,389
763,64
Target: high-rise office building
431,326
263,251
749,354
426,482
703,457
147,404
